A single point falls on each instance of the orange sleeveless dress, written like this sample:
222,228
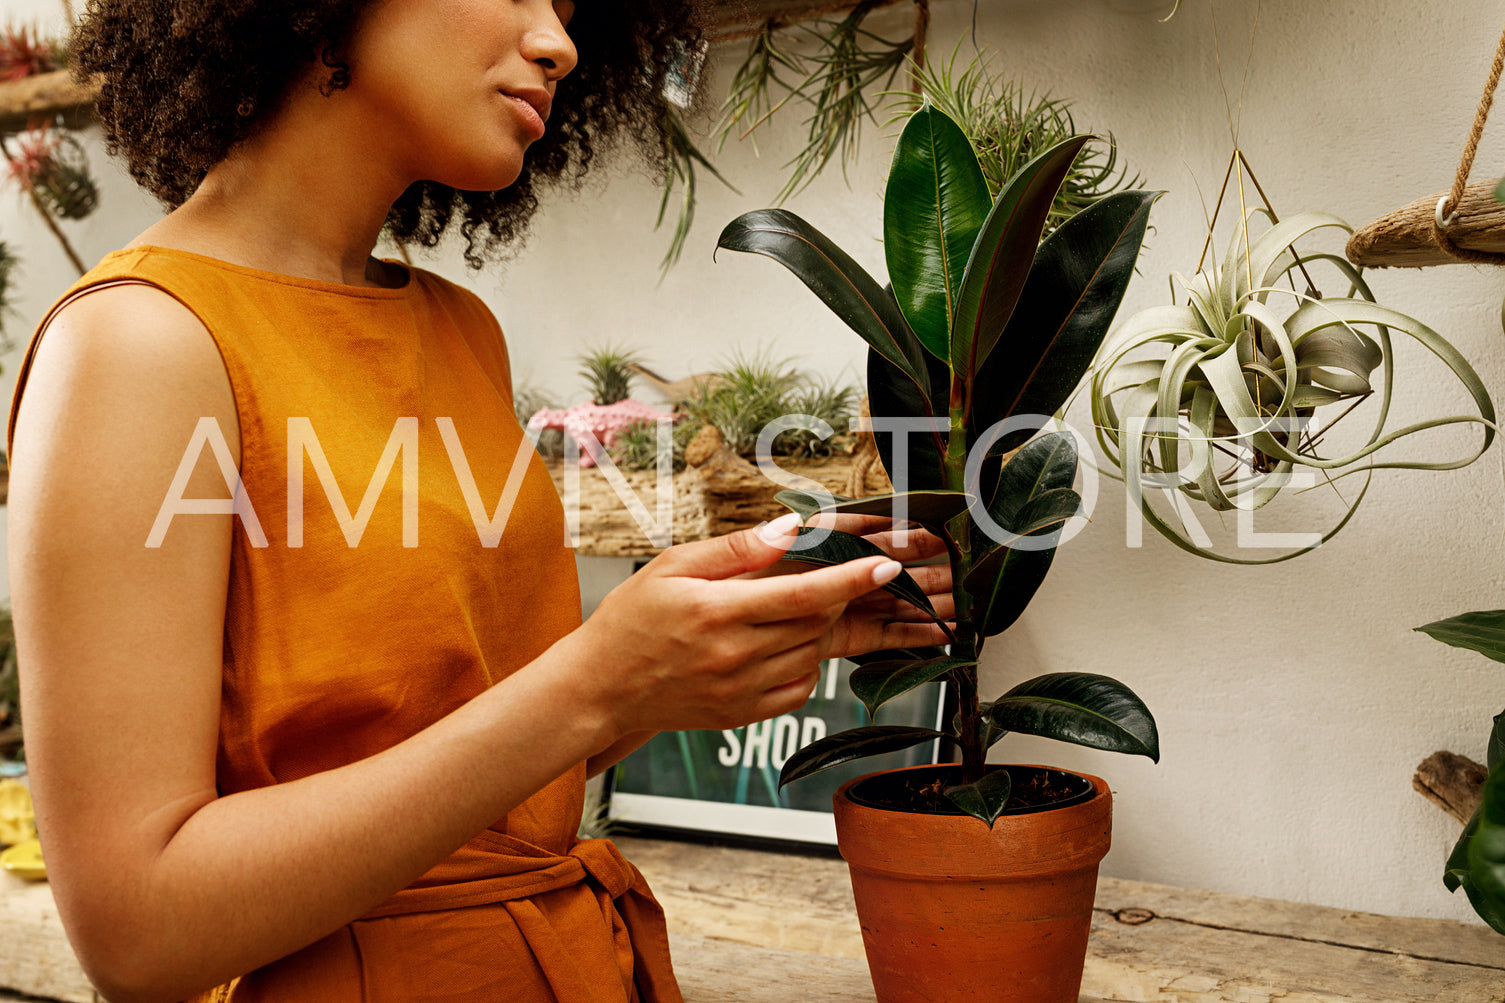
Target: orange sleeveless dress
407,584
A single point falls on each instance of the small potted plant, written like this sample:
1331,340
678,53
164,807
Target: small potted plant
973,882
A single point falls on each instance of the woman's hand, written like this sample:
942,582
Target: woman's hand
688,643
880,620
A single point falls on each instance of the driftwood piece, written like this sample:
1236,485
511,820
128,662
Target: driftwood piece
1403,238
43,96
723,494
1452,782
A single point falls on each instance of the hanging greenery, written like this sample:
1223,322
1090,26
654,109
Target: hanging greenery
1008,127
1220,398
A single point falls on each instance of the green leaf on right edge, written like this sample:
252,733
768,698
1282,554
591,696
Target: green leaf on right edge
856,743
935,203
1482,631
839,548
985,799
876,683
1082,708
1462,871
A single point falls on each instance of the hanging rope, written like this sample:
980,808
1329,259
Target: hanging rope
1440,222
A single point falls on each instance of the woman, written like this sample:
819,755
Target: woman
300,753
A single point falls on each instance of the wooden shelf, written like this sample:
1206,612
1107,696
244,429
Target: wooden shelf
45,96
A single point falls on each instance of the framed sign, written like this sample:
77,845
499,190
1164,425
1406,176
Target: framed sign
727,782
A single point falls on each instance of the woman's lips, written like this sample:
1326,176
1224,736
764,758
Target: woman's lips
527,113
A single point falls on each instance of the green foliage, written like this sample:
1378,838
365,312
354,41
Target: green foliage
1477,863
753,390
10,691
607,373
1234,376
983,323
1008,128
8,268
636,447
681,159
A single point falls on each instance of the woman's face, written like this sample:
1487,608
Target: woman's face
454,91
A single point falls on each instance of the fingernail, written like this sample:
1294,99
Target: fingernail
886,572
773,533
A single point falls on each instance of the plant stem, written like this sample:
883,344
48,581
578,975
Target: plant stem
62,238
969,724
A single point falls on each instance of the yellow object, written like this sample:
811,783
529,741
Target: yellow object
24,860
17,821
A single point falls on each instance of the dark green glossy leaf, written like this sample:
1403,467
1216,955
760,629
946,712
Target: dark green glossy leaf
1047,512
935,205
1480,879
891,394
876,683
1497,742
832,275
984,799
855,743
1073,292
897,655
1005,248
1080,707
1045,464
803,503
1486,853
1005,579
1003,584
839,548
928,508
1482,631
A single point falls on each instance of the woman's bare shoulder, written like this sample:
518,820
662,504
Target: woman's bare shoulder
123,350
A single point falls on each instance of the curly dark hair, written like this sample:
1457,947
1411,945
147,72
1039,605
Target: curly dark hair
183,81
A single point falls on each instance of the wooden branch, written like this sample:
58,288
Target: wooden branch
1403,238
733,19
43,96
1452,782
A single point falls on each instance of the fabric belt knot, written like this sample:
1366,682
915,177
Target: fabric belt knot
606,865
497,868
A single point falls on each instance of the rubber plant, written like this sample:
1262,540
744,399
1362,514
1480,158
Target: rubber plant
1477,863
983,323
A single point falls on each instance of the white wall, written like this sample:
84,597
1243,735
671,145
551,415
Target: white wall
1293,701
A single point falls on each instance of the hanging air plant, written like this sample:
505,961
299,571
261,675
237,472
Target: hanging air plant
8,263
52,166
1221,397
24,53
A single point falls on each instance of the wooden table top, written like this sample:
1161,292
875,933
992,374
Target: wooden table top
749,926
752,926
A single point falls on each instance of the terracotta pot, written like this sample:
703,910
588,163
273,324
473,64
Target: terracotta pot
951,911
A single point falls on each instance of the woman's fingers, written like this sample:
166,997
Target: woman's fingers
809,593
731,555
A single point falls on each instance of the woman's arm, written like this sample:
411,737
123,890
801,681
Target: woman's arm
167,889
